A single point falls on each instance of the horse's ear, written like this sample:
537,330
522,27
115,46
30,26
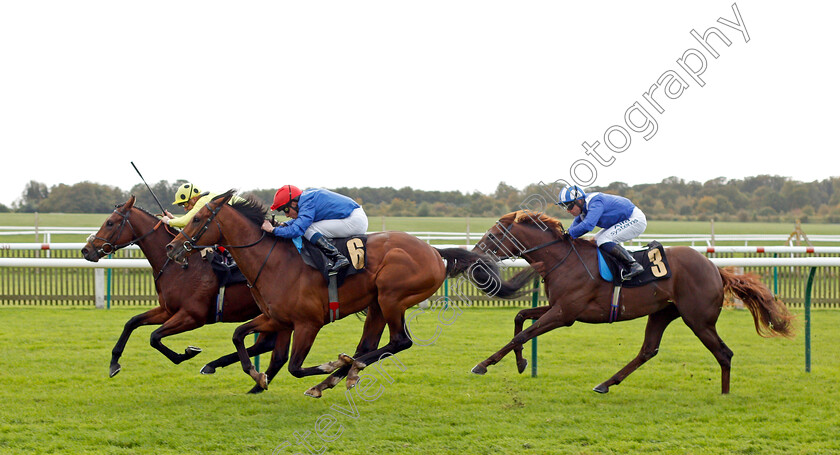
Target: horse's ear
224,197
128,205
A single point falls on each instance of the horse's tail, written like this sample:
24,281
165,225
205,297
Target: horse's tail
483,272
771,316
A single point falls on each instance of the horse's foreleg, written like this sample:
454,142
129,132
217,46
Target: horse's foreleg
264,343
152,317
550,320
656,325
518,322
278,356
366,352
261,323
180,322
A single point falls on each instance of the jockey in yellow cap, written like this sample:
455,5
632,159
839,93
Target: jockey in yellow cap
192,200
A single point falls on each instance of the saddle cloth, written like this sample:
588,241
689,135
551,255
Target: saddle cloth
651,258
353,248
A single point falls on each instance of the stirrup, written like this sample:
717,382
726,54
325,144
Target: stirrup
629,274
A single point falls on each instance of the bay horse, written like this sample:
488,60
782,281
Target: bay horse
186,295
569,268
400,272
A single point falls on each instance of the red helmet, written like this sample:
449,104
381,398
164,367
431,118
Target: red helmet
284,196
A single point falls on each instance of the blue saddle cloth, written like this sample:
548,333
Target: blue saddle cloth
651,258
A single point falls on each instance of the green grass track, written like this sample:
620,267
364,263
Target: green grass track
57,398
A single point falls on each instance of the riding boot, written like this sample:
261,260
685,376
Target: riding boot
630,267
338,259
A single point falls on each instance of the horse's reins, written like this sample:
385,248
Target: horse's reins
523,252
190,244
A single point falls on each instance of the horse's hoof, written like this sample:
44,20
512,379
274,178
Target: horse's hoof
257,389
601,388
521,364
192,351
207,369
478,369
346,359
263,381
115,368
351,382
313,392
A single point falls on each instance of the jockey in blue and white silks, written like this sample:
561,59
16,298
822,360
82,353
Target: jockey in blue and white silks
619,219
317,214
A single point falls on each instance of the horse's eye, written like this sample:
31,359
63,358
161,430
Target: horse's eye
109,223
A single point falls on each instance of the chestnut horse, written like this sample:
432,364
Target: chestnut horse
400,272
569,268
186,295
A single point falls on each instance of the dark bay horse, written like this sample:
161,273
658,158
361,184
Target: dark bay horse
186,295
569,268
400,272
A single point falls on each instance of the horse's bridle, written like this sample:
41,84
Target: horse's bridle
523,251
191,241
190,244
101,250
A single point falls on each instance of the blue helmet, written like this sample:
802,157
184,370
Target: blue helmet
570,194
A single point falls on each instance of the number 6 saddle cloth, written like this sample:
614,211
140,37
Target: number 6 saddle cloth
651,258
353,248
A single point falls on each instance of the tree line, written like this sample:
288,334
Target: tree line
759,198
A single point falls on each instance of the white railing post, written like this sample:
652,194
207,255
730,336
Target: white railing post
99,288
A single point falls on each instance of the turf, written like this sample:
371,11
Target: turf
58,397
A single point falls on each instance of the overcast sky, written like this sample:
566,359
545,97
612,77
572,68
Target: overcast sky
436,95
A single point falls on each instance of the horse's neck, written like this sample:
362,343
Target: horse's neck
240,235
563,248
153,245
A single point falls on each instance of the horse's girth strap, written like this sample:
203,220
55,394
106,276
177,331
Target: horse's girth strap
220,303
332,291
614,308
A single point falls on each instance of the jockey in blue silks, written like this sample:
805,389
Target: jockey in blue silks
619,220
318,214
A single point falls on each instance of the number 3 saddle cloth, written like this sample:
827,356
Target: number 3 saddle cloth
651,258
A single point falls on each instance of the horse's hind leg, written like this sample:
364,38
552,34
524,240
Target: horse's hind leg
178,323
656,325
710,338
518,322
152,317
264,343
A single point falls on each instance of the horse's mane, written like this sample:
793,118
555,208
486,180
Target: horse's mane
529,217
249,206
143,210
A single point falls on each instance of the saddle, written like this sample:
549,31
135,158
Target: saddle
226,270
228,274
353,248
651,258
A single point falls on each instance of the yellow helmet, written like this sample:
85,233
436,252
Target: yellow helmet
186,192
